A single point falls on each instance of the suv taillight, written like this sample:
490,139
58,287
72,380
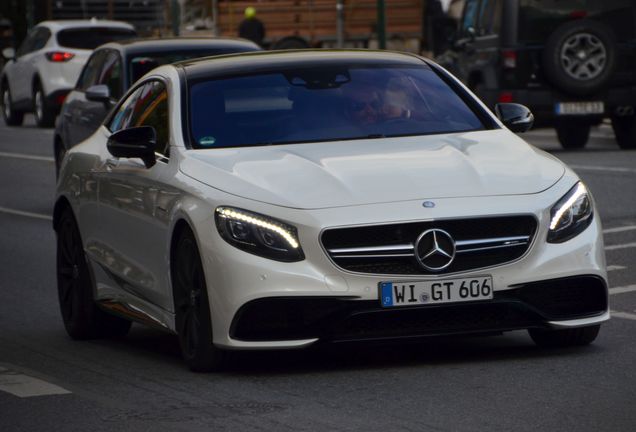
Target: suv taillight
59,56
509,58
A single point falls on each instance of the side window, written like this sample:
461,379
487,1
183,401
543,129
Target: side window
122,117
28,42
489,17
90,73
111,74
154,112
469,19
41,38
146,106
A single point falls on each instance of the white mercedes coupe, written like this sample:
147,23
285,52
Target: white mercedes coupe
279,200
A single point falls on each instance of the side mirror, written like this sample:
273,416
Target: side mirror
8,53
98,93
516,117
137,142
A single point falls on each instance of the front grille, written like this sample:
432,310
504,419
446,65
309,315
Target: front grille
389,249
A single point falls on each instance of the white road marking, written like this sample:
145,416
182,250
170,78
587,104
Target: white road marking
27,157
615,267
620,246
607,169
619,229
622,290
24,386
24,213
624,315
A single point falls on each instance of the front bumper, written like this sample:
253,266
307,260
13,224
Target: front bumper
258,303
543,304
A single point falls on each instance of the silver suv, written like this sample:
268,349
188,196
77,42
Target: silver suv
45,68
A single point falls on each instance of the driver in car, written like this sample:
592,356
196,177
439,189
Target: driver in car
367,105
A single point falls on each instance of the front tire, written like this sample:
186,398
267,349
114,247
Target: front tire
625,131
43,112
573,133
565,337
11,116
81,316
193,321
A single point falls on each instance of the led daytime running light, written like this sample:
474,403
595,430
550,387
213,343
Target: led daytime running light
578,193
232,214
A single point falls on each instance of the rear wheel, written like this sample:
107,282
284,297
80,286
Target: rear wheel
82,318
43,112
625,131
11,117
194,324
566,337
573,133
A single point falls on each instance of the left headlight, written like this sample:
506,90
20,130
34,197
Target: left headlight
570,215
259,234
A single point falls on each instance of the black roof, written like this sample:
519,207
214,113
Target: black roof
147,46
258,62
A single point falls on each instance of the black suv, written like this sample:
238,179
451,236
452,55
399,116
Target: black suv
572,62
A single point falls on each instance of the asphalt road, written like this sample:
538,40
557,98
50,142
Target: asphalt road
499,383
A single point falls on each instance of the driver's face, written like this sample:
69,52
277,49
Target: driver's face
365,106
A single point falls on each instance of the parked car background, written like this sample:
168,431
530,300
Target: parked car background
571,61
38,76
113,68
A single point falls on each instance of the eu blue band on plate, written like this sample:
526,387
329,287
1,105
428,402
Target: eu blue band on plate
387,295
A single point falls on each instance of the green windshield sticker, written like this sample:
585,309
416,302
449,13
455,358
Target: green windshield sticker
207,141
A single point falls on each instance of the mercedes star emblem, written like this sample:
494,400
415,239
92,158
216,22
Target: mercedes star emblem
435,249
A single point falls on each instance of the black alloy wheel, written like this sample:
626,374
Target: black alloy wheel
11,117
82,318
43,112
565,337
193,321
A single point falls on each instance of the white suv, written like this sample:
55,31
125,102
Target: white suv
45,68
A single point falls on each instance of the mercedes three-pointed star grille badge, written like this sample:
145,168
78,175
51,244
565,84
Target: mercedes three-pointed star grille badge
435,249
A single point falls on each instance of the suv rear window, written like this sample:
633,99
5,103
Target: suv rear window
91,37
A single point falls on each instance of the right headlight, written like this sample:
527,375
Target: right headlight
259,234
570,215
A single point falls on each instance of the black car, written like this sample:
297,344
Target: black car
113,68
572,62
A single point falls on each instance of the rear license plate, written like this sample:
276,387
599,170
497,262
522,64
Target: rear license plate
396,294
579,108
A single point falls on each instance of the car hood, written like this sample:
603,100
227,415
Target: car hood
357,172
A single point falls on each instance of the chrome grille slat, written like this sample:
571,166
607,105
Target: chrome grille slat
374,256
389,248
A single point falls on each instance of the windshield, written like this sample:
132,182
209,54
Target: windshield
140,64
325,104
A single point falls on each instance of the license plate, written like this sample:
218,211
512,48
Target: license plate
579,108
396,294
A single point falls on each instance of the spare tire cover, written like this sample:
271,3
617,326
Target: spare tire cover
580,56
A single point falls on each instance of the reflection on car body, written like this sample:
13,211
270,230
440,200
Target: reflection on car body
274,218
